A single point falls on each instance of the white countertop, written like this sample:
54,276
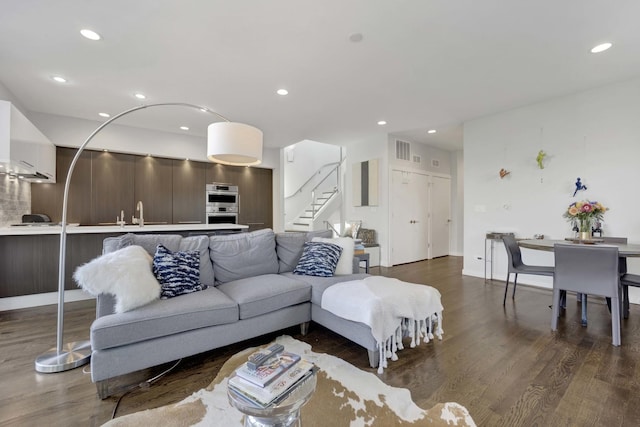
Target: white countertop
27,230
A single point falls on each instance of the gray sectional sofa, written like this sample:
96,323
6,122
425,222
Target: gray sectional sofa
251,291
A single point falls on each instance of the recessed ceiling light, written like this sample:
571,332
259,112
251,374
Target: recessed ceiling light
139,95
59,79
355,37
431,131
382,123
282,92
90,34
601,47
184,127
38,181
105,150
104,114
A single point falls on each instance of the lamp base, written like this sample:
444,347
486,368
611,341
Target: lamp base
71,356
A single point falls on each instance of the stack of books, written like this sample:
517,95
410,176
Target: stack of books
358,247
271,382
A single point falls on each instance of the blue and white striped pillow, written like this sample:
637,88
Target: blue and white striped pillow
177,272
318,259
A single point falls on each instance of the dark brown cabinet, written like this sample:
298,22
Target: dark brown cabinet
112,189
47,198
188,197
256,195
172,191
254,189
28,265
153,185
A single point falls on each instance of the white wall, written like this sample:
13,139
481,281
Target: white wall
457,204
303,159
300,163
375,217
594,135
6,95
72,132
427,156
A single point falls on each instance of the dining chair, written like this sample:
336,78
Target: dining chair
516,266
627,280
622,269
589,270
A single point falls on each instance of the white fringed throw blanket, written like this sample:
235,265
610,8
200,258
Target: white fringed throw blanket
391,308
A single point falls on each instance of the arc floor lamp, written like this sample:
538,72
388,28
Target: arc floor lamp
229,143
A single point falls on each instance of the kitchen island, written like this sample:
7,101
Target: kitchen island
29,256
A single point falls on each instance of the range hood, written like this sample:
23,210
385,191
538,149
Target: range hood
25,152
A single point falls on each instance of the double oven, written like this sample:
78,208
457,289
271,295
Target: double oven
222,203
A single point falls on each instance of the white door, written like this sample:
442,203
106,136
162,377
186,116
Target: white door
409,217
440,216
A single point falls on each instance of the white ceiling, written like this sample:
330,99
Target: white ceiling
422,64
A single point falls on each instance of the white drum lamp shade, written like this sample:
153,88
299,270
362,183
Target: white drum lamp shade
235,144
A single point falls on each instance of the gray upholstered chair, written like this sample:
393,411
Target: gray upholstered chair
588,270
516,266
627,280
622,268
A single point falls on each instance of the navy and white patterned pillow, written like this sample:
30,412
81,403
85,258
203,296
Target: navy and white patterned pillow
318,259
177,272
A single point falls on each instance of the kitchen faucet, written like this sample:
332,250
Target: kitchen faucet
120,219
140,220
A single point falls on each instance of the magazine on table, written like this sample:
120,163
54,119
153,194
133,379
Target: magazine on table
271,394
270,370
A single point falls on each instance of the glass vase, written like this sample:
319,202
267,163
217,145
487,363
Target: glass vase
584,226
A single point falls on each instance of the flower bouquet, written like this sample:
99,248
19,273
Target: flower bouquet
582,214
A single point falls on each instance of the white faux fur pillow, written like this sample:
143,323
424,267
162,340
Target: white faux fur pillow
125,273
345,263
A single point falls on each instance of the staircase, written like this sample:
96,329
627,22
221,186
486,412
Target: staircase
316,212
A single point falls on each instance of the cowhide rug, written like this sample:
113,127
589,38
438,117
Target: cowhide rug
344,396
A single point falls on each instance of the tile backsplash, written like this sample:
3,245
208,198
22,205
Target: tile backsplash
15,200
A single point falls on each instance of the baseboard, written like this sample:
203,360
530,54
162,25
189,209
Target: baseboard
36,300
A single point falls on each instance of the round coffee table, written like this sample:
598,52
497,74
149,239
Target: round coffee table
283,414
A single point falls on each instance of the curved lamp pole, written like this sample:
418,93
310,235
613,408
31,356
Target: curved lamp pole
73,354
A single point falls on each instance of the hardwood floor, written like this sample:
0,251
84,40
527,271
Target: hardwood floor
503,364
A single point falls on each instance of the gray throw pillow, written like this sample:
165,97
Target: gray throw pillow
289,249
200,244
150,241
237,256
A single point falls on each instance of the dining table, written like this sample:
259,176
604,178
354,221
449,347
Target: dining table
625,250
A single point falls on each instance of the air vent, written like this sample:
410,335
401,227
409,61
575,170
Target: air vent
403,150
435,163
416,159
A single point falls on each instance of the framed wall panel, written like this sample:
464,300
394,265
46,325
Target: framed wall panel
365,183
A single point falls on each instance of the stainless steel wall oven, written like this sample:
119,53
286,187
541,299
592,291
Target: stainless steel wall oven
222,202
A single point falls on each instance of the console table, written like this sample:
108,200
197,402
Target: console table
491,237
